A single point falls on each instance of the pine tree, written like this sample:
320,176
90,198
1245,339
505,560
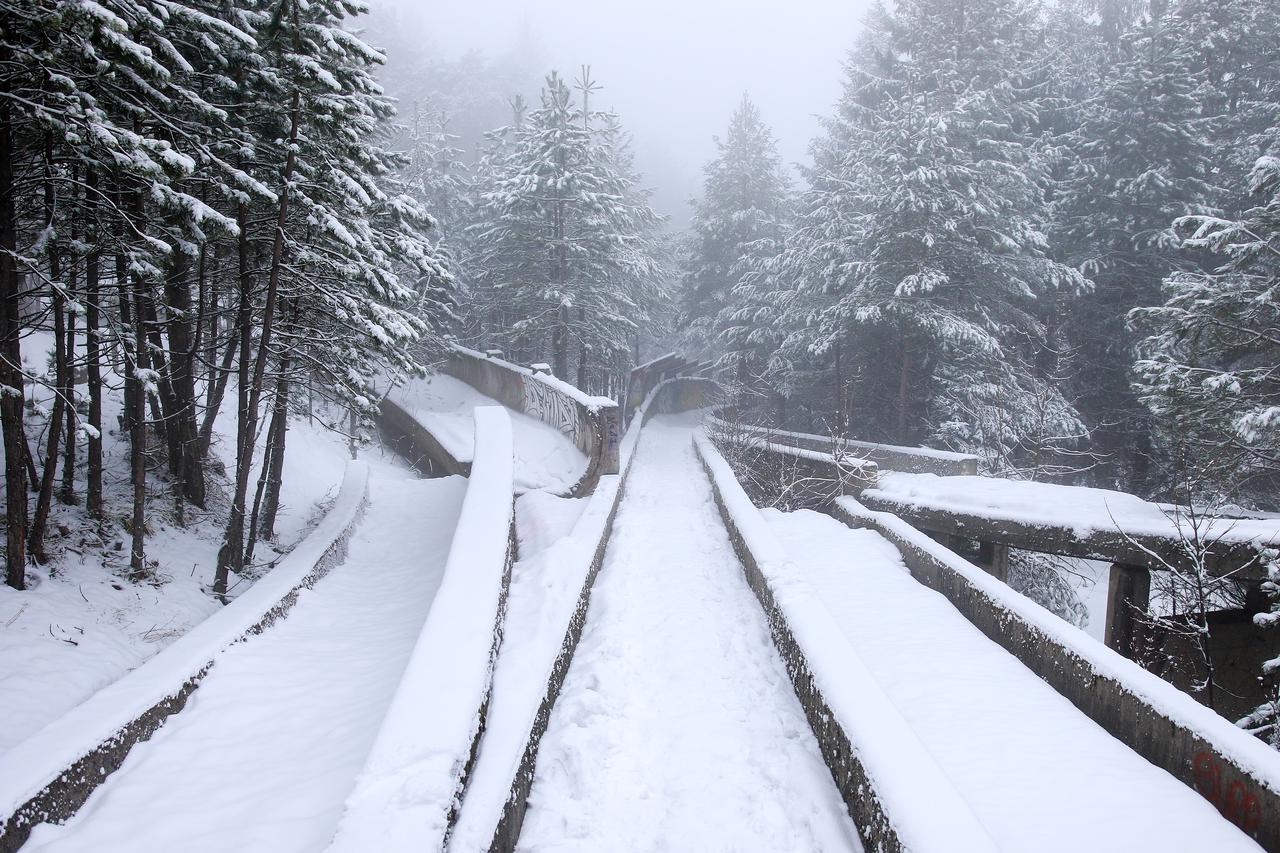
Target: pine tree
920,246
1210,371
1140,156
566,240
746,197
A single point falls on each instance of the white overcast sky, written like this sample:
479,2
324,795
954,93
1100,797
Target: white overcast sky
673,70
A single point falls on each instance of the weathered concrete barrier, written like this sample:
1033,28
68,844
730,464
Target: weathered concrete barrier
1231,769
406,435
888,457
592,423
790,477
48,777
406,798
897,796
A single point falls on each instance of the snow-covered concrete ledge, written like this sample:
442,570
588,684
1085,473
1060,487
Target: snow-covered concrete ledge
1234,771
592,423
412,440
896,794
408,794
50,775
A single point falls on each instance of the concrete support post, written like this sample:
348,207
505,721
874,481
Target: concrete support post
994,557
1128,592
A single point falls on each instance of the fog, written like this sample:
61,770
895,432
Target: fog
673,70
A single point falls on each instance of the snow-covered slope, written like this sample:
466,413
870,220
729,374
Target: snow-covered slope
80,626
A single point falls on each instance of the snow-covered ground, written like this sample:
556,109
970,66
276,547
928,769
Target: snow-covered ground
677,728
1036,772
545,458
267,749
80,626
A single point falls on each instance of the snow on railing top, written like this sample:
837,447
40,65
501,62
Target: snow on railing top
929,452
651,362
406,796
1081,509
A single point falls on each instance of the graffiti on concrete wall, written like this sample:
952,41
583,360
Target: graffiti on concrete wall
550,406
1235,799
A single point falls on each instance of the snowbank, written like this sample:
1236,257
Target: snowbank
49,775
1236,772
407,796
898,796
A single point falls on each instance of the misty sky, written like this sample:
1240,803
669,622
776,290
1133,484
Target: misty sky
673,70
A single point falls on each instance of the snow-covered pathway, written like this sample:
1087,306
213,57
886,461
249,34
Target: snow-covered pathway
1037,773
267,749
677,728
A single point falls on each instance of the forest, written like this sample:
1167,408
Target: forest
418,439
1045,233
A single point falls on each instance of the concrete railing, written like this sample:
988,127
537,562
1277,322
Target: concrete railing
889,457
593,424
49,776
406,798
898,797
1227,766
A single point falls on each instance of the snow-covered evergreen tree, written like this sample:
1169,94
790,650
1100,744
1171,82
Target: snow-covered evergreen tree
1140,155
924,233
566,240
746,198
1210,371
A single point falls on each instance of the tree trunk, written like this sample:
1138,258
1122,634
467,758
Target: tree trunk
216,390
93,364
560,342
67,494
136,406
40,523
904,387
257,494
44,501
231,555
582,349
11,381
280,432
182,377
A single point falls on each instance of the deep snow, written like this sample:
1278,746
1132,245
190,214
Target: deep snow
1038,774
80,626
267,749
677,728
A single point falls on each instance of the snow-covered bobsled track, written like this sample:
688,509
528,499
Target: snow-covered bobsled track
666,667
266,750
359,664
